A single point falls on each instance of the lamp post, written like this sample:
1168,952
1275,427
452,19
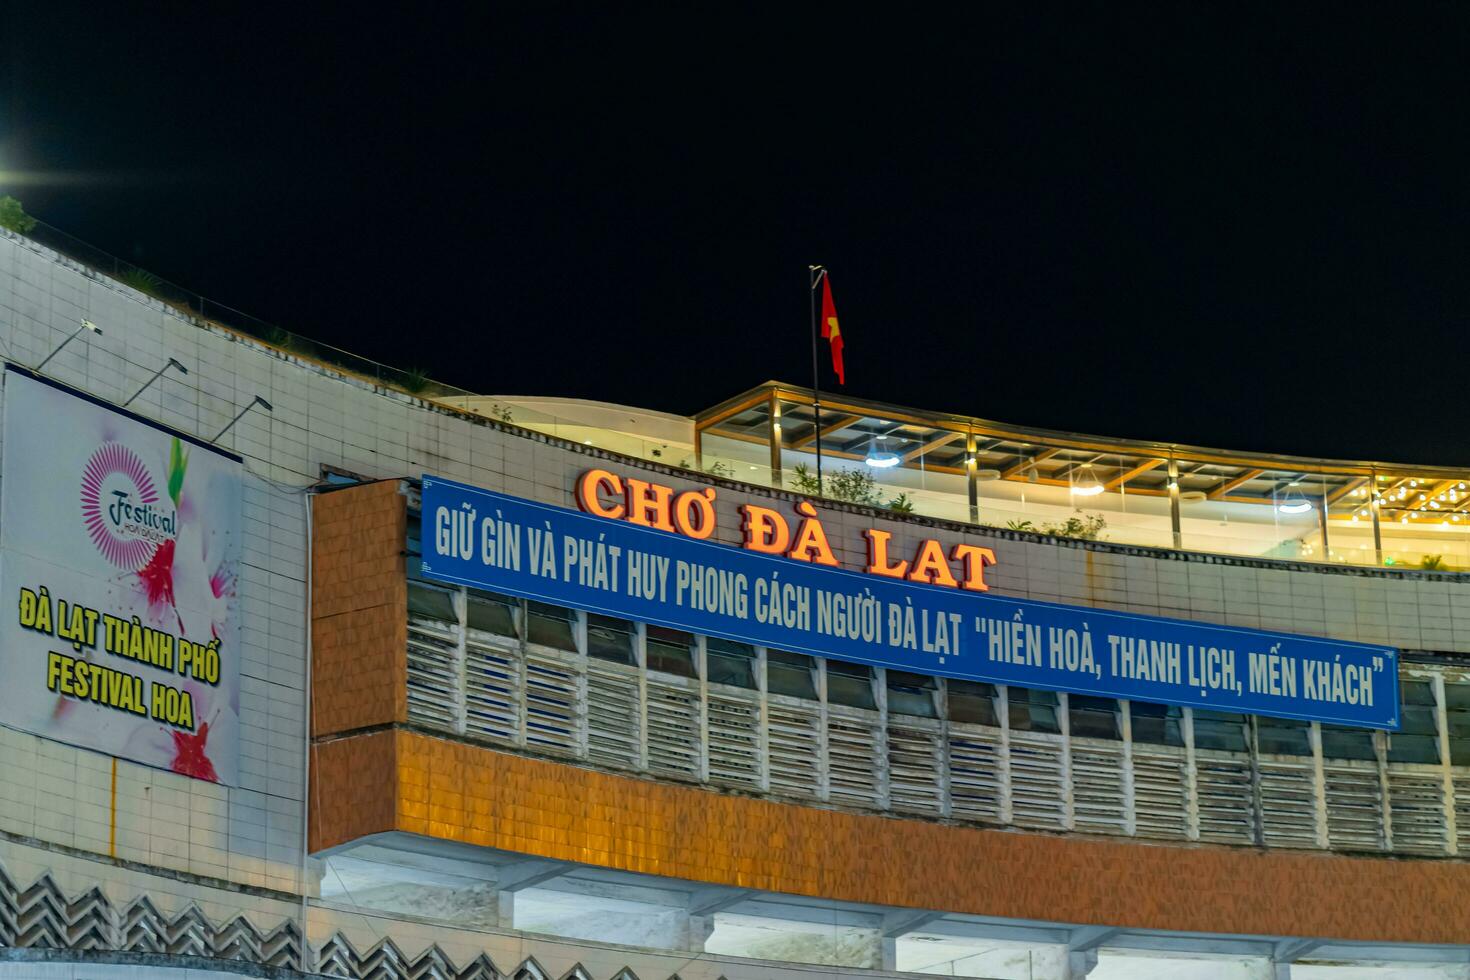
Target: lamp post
86,325
256,401
171,363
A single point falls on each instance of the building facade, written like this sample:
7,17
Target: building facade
413,768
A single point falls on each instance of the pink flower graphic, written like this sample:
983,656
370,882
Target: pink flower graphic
115,458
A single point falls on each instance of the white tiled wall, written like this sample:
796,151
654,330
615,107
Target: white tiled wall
253,834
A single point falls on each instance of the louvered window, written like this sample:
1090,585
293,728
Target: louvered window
855,749
1160,772
1037,758
552,677
433,657
1353,788
1415,776
1288,782
492,666
1099,791
551,701
915,750
794,728
673,703
614,734
507,670
1457,720
734,714
977,762
1227,809
1417,740
1417,809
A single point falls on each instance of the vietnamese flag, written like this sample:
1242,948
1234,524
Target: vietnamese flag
830,330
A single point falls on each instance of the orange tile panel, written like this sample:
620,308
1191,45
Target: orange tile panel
359,608
477,795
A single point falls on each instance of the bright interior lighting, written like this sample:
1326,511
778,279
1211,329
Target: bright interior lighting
881,459
1294,503
1089,485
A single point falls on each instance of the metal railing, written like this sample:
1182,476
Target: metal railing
97,261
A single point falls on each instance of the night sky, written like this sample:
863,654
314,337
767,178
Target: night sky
1221,225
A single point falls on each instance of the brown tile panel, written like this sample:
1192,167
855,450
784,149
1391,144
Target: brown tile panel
356,797
359,608
468,793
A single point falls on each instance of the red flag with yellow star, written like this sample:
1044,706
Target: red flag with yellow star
830,330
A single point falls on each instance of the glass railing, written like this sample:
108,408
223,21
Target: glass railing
1078,487
1239,510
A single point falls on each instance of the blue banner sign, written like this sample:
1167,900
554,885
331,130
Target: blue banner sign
506,544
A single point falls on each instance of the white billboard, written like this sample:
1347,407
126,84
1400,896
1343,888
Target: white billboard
119,554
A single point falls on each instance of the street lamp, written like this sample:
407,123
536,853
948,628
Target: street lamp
86,325
156,375
257,401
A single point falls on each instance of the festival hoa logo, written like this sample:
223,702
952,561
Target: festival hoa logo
120,506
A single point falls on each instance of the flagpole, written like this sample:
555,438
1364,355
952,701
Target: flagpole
815,274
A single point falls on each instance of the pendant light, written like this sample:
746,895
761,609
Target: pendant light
1295,502
878,457
1087,485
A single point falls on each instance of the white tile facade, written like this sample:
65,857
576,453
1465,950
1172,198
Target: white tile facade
253,834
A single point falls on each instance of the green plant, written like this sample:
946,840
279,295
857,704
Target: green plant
1433,563
901,504
803,482
280,337
1086,527
141,279
853,486
14,217
414,380
716,468
500,413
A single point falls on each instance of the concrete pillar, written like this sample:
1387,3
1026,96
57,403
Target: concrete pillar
505,910
701,927
1080,963
890,954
